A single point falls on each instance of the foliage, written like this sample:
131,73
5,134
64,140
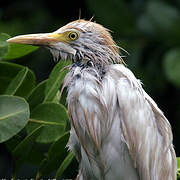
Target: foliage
12,51
31,114
178,167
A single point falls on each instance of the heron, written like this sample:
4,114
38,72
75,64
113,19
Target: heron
117,130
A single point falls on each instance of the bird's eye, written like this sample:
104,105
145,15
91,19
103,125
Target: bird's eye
73,36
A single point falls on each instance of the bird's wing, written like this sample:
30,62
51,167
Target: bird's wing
146,131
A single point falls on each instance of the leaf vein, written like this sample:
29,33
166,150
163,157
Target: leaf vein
45,122
11,114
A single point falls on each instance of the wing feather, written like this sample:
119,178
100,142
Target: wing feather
146,130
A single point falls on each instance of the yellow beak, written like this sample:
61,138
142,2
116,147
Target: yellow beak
37,39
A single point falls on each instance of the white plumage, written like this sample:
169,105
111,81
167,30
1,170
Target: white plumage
125,134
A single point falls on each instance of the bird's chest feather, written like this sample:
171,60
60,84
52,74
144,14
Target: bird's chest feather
96,135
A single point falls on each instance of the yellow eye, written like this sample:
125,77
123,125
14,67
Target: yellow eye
73,36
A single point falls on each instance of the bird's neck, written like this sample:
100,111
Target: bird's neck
98,54
97,69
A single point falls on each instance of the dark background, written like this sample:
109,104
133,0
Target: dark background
149,30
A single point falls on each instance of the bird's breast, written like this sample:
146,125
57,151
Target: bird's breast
96,135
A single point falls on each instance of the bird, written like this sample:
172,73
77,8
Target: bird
117,130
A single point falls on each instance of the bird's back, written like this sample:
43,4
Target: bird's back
115,133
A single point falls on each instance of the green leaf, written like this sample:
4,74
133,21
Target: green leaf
23,149
10,79
14,115
3,45
12,50
37,95
53,117
178,162
55,81
63,97
18,50
16,82
172,66
178,166
7,72
56,154
64,164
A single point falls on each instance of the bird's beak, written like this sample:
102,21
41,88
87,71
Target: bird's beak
37,39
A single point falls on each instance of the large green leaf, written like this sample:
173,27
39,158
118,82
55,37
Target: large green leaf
18,50
7,72
12,50
37,95
64,164
55,80
14,115
53,117
172,66
55,156
16,82
16,79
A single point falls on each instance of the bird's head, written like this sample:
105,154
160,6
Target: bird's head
79,40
